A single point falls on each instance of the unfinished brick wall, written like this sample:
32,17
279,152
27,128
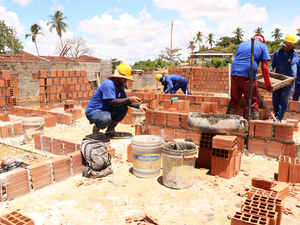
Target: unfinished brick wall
57,86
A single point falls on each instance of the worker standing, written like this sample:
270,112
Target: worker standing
285,62
240,74
109,104
297,84
172,83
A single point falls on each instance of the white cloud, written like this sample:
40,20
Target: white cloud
11,19
117,10
229,14
23,3
57,7
136,39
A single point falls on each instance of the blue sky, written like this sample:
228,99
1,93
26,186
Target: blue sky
132,30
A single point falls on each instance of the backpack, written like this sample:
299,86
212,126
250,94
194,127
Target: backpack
97,159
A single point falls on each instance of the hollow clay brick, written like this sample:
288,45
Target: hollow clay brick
222,167
263,129
204,158
284,132
154,130
61,168
273,148
16,183
41,174
284,168
294,173
168,134
173,119
225,142
282,189
261,183
256,146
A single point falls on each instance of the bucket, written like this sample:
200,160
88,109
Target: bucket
146,154
178,162
137,116
31,126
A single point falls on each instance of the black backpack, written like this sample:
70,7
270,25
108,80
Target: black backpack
97,159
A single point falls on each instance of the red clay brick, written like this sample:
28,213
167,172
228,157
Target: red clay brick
41,174
284,131
225,142
263,129
294,172
273,148
129,153
256,146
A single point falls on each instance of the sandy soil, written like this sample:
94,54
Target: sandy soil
77,200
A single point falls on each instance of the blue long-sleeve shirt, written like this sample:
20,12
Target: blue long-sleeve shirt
171,80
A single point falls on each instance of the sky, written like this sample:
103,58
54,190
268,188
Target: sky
138,30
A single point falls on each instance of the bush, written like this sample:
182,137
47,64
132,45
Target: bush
226,61
216,62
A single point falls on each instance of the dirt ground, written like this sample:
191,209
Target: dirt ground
109,200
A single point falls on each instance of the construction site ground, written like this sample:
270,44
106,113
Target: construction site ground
77,200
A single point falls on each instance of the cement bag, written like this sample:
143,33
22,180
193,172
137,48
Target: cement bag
97,159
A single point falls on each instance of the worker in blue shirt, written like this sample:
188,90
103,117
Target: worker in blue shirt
284,61
297,84
172,83
240,74
109,104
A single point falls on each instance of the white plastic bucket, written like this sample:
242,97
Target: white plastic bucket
178,161
31,126
146,154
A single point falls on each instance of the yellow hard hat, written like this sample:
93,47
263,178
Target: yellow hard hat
157,77
290,38
125,68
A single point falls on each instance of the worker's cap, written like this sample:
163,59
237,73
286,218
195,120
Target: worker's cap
260,36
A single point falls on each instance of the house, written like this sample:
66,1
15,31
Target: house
208,54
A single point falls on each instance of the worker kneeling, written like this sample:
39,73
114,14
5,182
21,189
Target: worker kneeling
109,104
240,74
175,82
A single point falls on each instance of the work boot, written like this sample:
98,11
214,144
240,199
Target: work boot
230,110
110,131
95,129
254,115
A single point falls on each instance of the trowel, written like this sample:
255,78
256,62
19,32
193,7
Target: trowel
147,101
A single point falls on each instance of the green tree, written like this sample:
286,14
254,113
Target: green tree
192,47
276,33
6,35
210,40
231,48
224,42
198,38
273,45
258,30
115,63
238,35
35,31
58,24
298,34
166,54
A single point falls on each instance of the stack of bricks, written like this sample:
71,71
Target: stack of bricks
289,169
225,159
270,138
8,93
262,206
21,181
57,86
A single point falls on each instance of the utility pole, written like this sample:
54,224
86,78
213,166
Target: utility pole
12,41
171,42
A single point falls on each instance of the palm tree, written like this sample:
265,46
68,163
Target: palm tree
258,30
276,33
238,34
192,47
298,34
35,31
58,24
210,40
198,39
